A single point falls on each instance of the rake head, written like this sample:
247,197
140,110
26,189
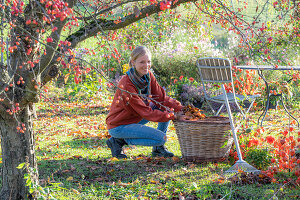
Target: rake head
242,165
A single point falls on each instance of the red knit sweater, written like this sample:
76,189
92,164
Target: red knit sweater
130,108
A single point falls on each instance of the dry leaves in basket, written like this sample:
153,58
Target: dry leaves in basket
192,113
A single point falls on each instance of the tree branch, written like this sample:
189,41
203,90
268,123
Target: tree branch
94,27
51,47
94,16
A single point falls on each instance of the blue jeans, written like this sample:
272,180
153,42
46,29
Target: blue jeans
139,134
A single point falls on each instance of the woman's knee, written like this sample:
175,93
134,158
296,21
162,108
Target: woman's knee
162,141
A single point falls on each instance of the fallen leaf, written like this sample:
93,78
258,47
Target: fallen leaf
76,157
65,171
75,191
113,159
219,180
192,166
139,158
123,184
70,178
175,159
153,181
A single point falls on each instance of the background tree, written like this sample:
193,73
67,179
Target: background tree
32,33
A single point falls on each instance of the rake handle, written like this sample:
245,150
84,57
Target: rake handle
236,142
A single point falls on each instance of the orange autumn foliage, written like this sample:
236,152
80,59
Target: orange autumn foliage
192,113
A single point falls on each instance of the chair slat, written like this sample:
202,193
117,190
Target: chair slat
207,72
221,70
213,63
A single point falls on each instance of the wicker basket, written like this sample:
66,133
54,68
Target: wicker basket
202,140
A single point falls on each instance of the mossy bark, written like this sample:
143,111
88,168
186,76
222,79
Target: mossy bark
17,148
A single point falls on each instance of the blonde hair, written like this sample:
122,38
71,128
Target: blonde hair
138,52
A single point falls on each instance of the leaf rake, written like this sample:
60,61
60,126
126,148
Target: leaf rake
240,165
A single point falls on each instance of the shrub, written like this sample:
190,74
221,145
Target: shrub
177,54
259,158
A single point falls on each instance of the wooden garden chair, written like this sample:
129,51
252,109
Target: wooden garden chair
218,70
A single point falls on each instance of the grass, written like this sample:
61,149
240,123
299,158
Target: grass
71,150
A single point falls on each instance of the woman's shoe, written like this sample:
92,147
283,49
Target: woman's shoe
115,145
161,151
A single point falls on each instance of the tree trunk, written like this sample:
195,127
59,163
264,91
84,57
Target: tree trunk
17,148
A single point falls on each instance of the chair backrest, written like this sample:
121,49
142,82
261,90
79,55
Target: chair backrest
215,70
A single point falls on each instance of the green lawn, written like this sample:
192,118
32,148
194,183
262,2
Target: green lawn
71,150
